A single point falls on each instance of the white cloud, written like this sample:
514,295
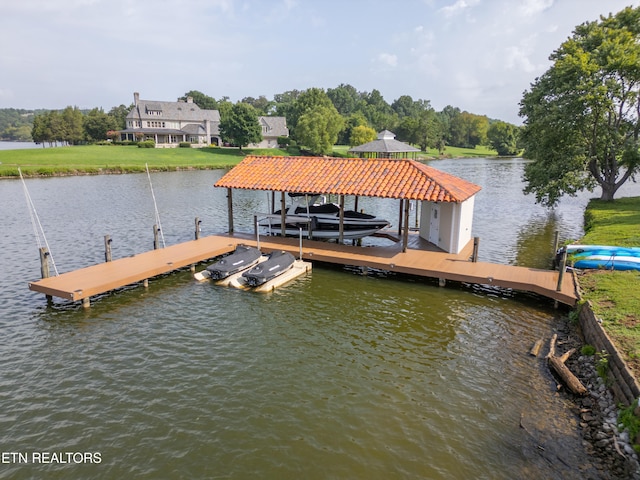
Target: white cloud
533,7
388,59
458,7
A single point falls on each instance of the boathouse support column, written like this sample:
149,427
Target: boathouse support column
341,224
230,209
107,248
283,215
400,217
405,236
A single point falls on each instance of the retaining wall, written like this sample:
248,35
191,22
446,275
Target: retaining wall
624,386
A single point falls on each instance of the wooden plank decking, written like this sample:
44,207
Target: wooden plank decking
419,260
104,277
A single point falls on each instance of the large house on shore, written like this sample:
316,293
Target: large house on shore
170,123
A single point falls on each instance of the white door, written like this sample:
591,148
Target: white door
434,224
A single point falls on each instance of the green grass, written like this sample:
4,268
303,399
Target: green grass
613,223
95,159
615,295
458,152
119,159
450,152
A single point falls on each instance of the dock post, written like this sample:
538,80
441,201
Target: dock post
563,267
44,267
107,248
556,242
44,263
198,222
442,282
155,236
474,255
86,302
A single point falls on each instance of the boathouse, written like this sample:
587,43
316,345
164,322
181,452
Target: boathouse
446,201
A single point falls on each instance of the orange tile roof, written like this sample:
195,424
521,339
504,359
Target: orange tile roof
372,177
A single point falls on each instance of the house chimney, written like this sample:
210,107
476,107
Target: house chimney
136,98
189,99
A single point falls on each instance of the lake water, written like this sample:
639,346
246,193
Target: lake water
18,145
335,375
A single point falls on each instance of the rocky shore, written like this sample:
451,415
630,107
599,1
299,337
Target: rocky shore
604,439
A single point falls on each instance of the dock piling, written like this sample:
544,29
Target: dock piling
107,248
156,230
44,267
563,267
44,263
197,233
476,244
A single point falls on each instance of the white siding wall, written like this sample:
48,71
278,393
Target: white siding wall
456,220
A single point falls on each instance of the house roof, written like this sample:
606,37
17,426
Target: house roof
373,177
276,126
385,143
183,111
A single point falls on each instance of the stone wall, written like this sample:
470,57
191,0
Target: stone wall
624,386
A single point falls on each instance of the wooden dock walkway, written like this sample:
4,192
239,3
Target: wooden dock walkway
421,261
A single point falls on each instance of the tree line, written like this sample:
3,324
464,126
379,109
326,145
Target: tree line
317,119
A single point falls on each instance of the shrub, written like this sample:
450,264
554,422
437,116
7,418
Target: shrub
627,418
184,145
147,144
588,350
284,141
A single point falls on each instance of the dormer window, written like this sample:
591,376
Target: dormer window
153,109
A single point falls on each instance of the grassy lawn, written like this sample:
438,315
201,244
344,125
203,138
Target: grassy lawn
94,159
615,295
119,159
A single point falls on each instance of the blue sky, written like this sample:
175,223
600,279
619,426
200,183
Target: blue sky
478,55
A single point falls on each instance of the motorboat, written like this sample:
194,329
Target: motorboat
276,264
242,258
313,218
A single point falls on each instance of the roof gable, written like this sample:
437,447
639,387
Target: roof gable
385,143
377,177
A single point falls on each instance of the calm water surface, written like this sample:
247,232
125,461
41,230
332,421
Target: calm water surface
335,375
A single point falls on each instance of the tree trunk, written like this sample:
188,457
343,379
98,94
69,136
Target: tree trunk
608,191
557,363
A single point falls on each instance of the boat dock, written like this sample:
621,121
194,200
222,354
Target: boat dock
419,259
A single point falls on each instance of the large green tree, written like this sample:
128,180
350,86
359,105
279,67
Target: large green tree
318,128
240,127
361,135
503,138
468,130
582,115
203,101
97,124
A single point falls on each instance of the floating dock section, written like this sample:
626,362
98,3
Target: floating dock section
105,277
98,279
